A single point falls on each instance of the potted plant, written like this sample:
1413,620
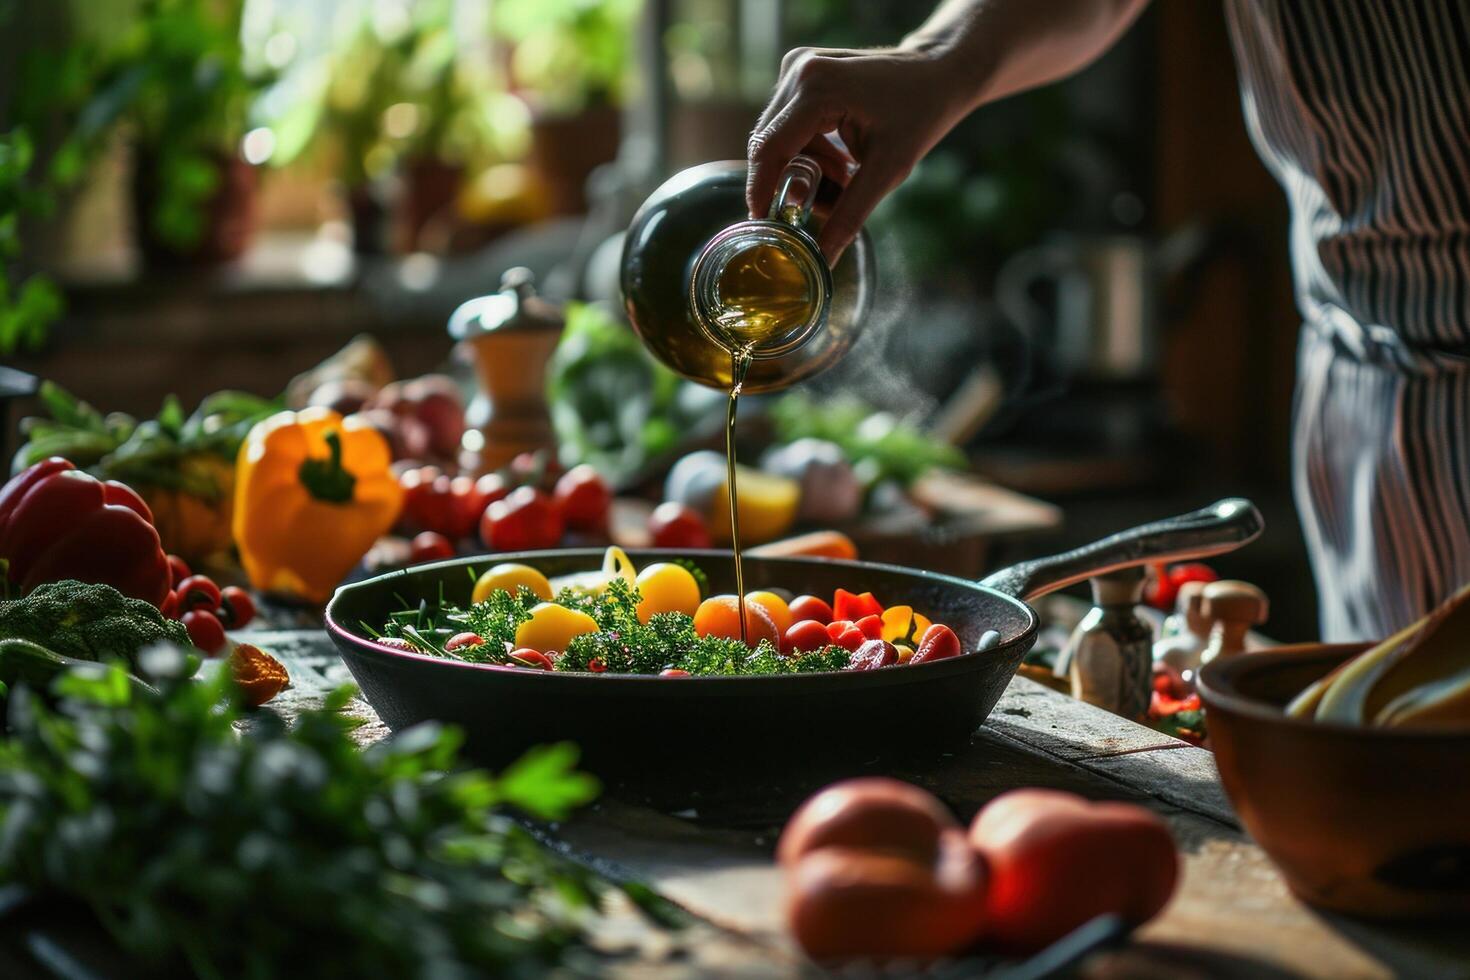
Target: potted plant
189,90
570,60
402,99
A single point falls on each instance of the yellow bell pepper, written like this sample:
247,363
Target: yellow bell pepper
313,491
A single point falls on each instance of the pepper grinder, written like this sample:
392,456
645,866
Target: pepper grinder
1234,607
1187,632
1109,658
511,335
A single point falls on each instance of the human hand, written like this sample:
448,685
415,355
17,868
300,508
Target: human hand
887,108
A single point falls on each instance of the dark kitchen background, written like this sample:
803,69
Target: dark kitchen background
1087,286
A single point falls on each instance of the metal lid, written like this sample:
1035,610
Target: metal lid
516,307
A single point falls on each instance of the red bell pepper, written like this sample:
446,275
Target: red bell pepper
846,605
57,522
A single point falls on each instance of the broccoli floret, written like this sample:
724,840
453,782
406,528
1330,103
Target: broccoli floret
88,622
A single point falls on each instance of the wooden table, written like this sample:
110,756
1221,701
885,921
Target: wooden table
1232,916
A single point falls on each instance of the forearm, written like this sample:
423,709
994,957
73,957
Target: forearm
995,48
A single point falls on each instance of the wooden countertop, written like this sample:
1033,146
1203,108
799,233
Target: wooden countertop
1232,915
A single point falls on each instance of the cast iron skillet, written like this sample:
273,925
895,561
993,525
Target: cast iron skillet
629,725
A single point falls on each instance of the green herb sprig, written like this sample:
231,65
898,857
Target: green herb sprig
204,852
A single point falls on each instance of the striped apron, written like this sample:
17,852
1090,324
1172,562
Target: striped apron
1361,108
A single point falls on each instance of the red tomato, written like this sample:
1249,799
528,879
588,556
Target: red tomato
810,607
534,659
846,635
236,606
526,520
675,526
198,592
435,501
1041,845
430,546
461,641
805,636
873,654
170,607
584,497
938,643
205,631
878,868
492,487
847,605
539,469
872,905
872,627
178,570
1162,591
868,813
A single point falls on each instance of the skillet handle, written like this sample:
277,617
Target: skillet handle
1214,530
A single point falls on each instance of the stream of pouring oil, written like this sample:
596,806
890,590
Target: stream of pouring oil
762,295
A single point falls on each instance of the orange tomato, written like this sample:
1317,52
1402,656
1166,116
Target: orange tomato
775,607
720,616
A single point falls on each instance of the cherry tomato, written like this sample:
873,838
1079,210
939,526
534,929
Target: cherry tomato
511,576
430,546
872,627
435,501
205,631
810,607
848,605
539,469
198,592
169,608
526,520
775,607
492,487
720,616
534,659
666,587
596,666
805,637
236,605
938,643
675,526
460,641
872,655
673,672
420,509
178,570
584,497
845,634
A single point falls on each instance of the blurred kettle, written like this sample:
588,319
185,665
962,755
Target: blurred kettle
1104,321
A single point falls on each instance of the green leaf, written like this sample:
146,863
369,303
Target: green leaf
544,782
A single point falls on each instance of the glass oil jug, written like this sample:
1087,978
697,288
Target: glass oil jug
701,281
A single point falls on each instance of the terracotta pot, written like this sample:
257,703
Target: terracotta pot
566,149
229,215
1363,820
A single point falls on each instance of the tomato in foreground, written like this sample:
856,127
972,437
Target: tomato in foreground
720,616
878,869
1057,860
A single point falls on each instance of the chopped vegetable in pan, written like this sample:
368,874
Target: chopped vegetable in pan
658,621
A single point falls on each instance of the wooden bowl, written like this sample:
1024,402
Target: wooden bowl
1368,821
